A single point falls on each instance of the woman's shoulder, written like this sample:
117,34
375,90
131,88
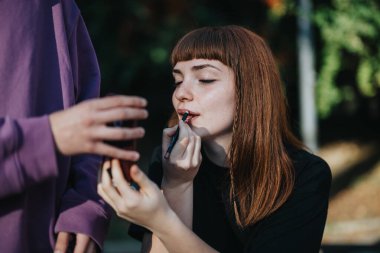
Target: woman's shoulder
311,171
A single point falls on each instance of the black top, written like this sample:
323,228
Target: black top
296,227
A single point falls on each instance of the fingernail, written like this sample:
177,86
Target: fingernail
137,156
142,131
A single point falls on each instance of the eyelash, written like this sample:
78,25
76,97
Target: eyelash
204,81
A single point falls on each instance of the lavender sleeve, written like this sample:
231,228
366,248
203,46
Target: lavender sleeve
82,210
27,154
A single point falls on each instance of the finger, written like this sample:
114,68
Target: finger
167,135
114,114
105,197
116,133
146,185
197,157
189,152
92,247
191,146
183,140
117,101
104,149
108,189
82,242
62,242
104,166
119,180
183,130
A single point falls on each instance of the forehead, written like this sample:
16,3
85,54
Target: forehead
199,62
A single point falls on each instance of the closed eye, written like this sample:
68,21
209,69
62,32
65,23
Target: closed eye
207,80
177,83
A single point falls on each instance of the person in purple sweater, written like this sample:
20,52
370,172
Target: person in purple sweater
50,141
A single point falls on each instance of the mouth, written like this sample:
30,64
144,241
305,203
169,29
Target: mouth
190,117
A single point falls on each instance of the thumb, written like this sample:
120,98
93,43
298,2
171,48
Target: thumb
141,179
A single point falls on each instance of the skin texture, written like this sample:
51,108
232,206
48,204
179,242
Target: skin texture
206,88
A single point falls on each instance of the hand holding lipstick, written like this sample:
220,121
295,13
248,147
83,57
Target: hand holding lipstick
175,137
185,158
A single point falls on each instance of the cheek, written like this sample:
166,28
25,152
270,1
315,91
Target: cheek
174,100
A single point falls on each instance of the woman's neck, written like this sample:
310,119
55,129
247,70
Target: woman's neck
217,150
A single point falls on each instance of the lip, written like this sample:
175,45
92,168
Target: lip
192,114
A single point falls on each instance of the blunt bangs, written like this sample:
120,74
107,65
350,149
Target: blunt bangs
211,43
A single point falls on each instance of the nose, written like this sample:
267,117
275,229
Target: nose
183,92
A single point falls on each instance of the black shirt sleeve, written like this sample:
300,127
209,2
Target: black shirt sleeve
155,174
298,225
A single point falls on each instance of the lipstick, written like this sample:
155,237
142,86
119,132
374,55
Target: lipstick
175,137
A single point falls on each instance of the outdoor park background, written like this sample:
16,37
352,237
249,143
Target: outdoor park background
133,40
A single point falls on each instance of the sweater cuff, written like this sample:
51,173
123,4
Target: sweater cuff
87,217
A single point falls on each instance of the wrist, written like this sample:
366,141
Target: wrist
175,186
170,219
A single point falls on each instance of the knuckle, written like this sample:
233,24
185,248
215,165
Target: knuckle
130,205
126,113
88,120
185,140
184,165
123,134
88,105
89,147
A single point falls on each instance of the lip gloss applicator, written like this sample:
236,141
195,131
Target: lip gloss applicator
175,137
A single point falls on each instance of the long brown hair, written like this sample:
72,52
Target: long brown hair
261,173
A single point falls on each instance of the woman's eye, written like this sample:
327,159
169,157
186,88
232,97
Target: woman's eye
207,80
176,83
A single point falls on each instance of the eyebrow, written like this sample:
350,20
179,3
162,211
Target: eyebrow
198,67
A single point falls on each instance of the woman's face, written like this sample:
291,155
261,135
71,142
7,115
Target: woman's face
205,88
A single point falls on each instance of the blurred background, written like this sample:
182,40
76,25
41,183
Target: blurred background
328,53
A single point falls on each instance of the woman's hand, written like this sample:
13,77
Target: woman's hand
185,158
146,207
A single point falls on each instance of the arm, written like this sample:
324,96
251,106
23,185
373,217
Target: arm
22,165
178,174
180,200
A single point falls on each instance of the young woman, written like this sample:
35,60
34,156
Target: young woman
237,180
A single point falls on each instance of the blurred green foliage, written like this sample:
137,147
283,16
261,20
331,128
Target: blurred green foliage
350,32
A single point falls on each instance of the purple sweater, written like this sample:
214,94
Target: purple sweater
47,63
